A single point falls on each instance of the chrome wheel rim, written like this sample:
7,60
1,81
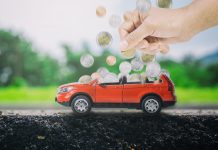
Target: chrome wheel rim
151,106
81,105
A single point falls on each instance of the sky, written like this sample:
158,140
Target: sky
49,23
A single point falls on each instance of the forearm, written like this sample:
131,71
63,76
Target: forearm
201,15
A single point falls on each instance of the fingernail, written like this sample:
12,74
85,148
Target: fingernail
123,45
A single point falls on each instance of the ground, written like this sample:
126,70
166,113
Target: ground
110,129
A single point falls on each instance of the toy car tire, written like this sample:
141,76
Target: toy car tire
151,105
81,105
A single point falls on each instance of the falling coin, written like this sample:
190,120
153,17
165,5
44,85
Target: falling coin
114,21
100,11
137,64
164,3
125,67
86,60
102,71
153,69
111,60
104,39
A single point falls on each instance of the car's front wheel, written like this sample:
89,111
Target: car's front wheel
81,104
151,105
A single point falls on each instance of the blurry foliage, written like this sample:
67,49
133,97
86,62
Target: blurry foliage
192,73
22,65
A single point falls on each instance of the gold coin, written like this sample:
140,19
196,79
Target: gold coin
146,58
164,3
104,39
128,53
100,11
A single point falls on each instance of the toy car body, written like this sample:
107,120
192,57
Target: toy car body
150,97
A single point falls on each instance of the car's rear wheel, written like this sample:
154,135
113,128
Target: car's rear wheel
81,104
151,105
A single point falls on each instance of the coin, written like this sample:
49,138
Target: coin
95,75
102,71
111,60
85,79
164,3
137,64
128,53
110,78
100,11
134,78
87,60
125,67
153,69
146,58
114,21
143,6
104,39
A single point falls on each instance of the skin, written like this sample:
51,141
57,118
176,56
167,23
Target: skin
152,32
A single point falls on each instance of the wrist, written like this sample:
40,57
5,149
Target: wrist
188,23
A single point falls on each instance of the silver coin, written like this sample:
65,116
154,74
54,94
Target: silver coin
87,60
153,70
125,67
104,39
143,6
102,71
137,64
110,78
114,21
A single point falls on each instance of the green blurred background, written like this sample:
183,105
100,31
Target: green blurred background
28,77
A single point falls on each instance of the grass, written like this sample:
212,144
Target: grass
45,96
197,95
27,95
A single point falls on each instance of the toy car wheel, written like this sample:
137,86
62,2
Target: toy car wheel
81,104
151,105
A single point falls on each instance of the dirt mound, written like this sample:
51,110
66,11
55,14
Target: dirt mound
108,131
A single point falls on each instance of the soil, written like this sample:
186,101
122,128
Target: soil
108,131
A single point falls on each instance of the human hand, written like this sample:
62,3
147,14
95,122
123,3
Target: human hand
153,32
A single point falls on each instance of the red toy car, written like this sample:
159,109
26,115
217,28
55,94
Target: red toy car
150,97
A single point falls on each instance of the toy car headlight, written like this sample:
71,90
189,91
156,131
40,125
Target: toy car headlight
65,89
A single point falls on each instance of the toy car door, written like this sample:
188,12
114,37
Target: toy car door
109,93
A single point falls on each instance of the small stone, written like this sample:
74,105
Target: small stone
40,137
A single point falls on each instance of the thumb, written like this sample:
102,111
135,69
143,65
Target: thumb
132,39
